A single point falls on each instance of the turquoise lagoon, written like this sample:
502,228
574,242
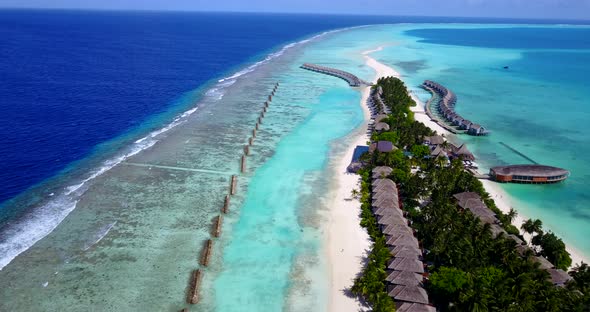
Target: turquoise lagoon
137,230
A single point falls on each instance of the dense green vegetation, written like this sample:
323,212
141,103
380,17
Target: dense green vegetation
470,269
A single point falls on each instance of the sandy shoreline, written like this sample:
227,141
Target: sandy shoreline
347,242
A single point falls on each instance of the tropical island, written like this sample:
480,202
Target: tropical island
470,256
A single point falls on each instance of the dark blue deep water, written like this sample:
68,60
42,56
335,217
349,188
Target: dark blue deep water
74,79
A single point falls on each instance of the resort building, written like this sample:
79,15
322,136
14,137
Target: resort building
528,174
381,126
406,270
382,146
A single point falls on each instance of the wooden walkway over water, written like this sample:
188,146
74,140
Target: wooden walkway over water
352,80
446,108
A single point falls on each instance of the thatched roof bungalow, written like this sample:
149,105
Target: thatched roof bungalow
402,240
415,307
406,252
397,228
381,172
381,126
405,278
391,220
407,265
559,277
544,264
382,147
412,294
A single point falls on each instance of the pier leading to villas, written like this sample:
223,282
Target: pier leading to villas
352,80
446,108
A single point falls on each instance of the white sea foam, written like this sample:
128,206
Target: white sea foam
19,236
100,235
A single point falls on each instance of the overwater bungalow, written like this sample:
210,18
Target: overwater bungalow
476,130
528,174
411,294
465,124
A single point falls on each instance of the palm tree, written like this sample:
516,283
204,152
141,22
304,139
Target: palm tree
511,215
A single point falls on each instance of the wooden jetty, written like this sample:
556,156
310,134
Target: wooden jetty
434,118
226,204
206,253
352,80
193,289
234,184
446,107
217,226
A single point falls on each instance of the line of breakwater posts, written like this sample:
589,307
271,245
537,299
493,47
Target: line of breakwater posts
206,252
518,153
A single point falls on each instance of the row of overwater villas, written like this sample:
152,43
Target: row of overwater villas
405,273
352,80
472,201
446,107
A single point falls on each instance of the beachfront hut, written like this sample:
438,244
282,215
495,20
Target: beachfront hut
385,221
382,146
523,250
434,140
472,201
377,182
516,239
396,229
381,126
384,189
380,117
415,307
405,278
496,230
559,277
388,212
387,204
464,153
412,294
385,195
544,264
402,240
396,249
406,265
407,252
382,171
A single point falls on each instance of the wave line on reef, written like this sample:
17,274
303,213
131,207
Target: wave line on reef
179,168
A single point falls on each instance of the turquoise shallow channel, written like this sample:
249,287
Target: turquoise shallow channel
137,230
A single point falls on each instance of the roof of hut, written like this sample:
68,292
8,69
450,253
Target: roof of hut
559,277
516,239
437,151
496,230
402,240
389,204
380,182
475,126
391,220
434,140
463,151
407,265
473,202
397,228
388,212
382,146
381,126
409,252
415,307
380,117
384,195
522,249
382,171
397,249
414,294
544,263
466,122
529,170
404,278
